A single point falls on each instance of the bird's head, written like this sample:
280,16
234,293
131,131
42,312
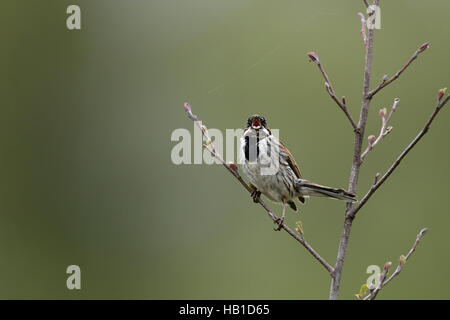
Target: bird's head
256,123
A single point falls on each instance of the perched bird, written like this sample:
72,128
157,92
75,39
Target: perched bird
273,172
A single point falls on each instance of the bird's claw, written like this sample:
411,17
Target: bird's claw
280,222
255,195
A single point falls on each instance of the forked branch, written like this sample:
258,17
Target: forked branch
385,130
440,104
329,88
401,261
385,82
358,154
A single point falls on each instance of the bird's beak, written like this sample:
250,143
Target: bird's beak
256,124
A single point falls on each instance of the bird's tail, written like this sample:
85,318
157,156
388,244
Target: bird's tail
307,188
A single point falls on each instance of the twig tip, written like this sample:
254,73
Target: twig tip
387,266
424,47
371,139
441,93
313,57
361,16
422,232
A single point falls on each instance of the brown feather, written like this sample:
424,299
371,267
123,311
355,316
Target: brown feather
293,165
291,161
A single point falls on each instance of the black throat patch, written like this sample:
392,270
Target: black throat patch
247,148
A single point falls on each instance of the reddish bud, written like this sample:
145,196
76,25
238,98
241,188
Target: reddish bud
313,57
343,100
187,107
233,166
371,139
383,112
387,266
441,93
424,47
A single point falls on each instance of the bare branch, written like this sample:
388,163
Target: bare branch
356,164
385,82
233,170
385,130
366,3
329,88
441,102
402,261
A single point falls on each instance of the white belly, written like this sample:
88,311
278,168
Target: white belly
272,178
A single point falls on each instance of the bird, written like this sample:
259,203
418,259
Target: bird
273,172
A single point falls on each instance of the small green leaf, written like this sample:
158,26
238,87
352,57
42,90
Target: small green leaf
363,290
299,227
402,260
441,93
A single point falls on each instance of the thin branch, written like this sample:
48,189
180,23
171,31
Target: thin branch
329,88
233,170
440,104
385,130
402,261
366,3
385,82
356,164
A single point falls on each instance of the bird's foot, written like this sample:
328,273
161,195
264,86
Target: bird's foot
279,222
255,195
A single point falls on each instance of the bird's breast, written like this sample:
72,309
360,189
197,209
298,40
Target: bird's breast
265,172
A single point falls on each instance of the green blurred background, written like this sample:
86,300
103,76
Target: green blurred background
87,177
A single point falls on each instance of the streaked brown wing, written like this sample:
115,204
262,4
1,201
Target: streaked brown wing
291,161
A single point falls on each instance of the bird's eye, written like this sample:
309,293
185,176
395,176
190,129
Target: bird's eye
263,121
